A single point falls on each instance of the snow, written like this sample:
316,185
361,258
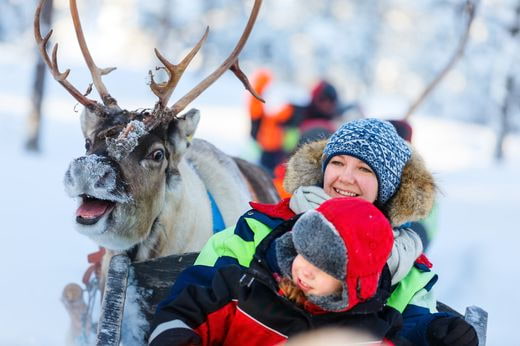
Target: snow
473,252
135,326
478,236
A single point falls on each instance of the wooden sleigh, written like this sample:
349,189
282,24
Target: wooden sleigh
154,278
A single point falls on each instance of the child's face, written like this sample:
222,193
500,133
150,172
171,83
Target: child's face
312,280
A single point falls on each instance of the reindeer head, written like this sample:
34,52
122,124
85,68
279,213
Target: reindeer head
132,157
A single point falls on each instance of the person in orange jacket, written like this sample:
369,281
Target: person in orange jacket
278,133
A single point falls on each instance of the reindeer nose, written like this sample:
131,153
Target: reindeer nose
107,179
91,175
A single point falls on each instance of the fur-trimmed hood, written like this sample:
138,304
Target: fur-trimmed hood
412,201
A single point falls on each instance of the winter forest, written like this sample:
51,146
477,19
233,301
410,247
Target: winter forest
452,67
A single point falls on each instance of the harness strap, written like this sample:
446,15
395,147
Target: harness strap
95,265
218,220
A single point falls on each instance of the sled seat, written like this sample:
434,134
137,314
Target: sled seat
152,280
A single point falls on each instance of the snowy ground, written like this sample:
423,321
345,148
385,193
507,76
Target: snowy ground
478,232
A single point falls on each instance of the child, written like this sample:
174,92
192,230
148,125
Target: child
329,271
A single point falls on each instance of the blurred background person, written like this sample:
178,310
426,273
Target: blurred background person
278,133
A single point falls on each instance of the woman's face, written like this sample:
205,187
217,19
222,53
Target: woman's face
312,280
347,176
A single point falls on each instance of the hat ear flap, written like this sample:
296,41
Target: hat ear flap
415,196
285,253
367,286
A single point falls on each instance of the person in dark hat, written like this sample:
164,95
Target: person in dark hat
304,288
403,129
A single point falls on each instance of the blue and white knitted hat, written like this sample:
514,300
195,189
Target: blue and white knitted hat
376,143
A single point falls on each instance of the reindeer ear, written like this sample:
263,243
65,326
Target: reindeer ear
89,122
181,130
187,123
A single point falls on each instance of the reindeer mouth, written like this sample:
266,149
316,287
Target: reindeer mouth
92,209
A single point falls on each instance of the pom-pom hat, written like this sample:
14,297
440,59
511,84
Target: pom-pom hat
348,238
376,143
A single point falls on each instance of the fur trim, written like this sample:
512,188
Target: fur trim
415,196
304,167
311,234
285,253
412,201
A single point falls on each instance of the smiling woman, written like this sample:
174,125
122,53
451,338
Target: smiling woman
359,154
367,149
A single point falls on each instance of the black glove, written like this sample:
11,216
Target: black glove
394,320
451,330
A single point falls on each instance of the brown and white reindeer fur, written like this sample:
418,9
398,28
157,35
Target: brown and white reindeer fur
144,183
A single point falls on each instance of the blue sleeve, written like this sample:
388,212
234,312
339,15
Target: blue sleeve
184,321
416,320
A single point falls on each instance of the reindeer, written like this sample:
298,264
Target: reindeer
144,184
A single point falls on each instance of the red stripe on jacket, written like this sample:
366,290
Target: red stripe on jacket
226,326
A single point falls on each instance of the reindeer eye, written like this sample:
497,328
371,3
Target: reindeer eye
157,155
88,144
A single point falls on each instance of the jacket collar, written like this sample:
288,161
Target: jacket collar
280,210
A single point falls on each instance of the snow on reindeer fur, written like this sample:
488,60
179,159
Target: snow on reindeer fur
126,142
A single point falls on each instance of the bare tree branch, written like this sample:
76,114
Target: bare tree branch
470,9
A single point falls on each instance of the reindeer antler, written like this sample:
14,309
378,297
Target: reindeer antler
231,61
61,77
161,113
164,91
95,71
